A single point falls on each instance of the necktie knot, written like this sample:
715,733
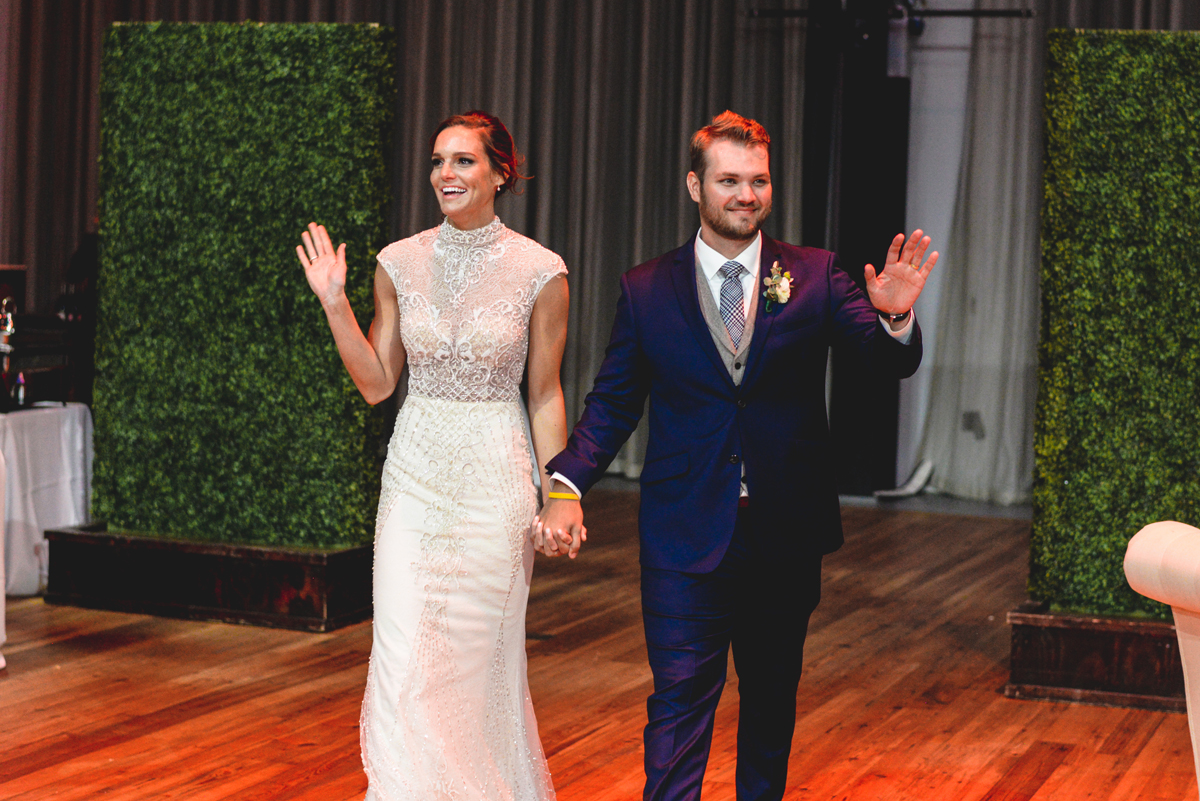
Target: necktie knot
731,269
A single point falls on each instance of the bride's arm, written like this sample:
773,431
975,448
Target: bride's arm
547,339
374,361
547,413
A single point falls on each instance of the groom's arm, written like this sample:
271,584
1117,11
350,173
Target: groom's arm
857,326
893,291
613,407
611,412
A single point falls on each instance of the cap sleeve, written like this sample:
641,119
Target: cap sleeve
388,259
549,268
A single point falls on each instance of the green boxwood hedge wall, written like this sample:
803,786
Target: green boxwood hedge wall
222,410
1118,410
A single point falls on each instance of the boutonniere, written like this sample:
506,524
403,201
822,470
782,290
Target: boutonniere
778,287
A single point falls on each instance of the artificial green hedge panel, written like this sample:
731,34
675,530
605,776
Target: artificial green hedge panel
1118,410
222,409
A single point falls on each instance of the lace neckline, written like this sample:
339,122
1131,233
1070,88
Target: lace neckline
476,237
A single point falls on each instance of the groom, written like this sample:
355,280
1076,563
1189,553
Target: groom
728,337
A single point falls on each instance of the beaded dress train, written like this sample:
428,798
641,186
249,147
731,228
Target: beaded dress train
447,714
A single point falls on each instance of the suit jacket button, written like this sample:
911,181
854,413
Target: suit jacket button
733,459
741,403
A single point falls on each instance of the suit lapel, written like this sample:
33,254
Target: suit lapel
763,320
683,276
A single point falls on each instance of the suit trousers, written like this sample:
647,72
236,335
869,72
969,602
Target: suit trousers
759,606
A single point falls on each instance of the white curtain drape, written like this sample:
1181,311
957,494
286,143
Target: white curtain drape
983,367
939,61
979,427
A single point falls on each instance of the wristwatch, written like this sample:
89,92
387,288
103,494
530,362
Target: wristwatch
897,318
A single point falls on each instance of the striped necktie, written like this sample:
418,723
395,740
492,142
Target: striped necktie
732,310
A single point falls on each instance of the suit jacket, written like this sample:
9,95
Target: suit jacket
703,426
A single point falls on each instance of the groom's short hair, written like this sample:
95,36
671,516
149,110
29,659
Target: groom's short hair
729,127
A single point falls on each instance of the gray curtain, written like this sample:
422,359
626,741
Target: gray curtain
48,142
601,95
979,431
50,117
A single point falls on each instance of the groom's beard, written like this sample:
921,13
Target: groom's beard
725,224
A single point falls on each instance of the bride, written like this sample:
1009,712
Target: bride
469,304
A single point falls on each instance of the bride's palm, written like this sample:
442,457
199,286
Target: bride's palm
324,267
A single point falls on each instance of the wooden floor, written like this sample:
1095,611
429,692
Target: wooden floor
901,698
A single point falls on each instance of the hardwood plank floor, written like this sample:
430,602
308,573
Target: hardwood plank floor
900,700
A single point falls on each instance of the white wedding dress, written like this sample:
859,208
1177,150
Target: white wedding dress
447,714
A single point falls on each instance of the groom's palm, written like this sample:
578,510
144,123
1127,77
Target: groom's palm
897,287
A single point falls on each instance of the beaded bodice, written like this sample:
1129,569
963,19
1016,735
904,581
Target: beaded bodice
465,301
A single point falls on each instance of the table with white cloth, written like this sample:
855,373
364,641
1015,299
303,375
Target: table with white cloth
3,610
48,455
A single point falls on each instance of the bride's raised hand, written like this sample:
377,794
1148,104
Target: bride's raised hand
324,267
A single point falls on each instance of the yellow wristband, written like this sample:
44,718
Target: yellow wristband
566,496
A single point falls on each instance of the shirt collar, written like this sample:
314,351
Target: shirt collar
711,261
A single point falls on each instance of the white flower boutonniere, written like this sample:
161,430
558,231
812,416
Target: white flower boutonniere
778,287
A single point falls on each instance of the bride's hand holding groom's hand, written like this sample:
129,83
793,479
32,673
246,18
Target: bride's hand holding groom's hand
559,528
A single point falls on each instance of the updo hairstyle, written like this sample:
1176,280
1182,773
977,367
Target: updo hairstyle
497,143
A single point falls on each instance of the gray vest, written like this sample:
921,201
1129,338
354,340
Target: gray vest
735,361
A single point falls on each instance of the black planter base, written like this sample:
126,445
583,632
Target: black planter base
1096,660
281,587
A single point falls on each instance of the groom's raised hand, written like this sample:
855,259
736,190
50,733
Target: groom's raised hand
897,287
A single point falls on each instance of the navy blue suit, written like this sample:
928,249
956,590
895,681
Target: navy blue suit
704,558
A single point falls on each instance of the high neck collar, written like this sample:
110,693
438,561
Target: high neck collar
476,237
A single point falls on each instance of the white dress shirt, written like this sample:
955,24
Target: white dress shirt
711,262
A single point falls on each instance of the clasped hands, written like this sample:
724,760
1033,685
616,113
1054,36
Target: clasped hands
559,528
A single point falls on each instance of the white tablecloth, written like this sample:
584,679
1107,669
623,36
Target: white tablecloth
3,611
48,455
